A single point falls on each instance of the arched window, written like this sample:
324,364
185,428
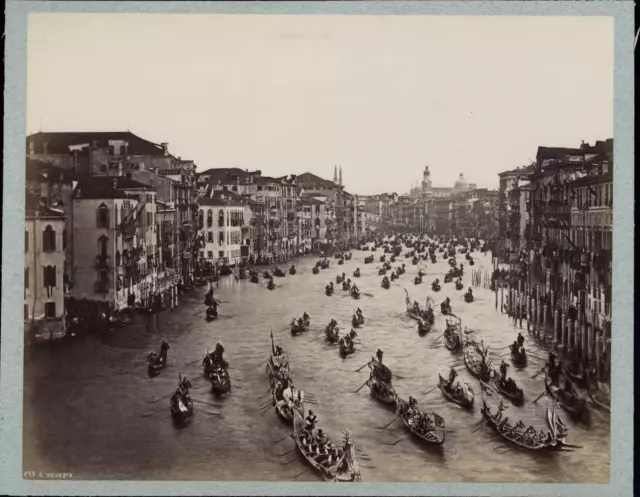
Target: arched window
221,218
102,216
49,239
209,218
200,219
49,276
102,245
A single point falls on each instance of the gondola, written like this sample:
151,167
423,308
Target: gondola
424,327
385,284
512,392
382,271
445,308
452,339
266,275
344,468
211,313
384,392
355,293
271,285
459,285
254,278
340,262
277,365
296,329
340,278
356,273
417,280
518,356
181,406
292,270
471,262
382,258
435,436
157,362
345,286
463,398
328,290
414,261
538,440
570,402
475,361
468,297
448,278
332,335
279,273
348,256
315,270
220,381
357,320
368,260
435,287
347,348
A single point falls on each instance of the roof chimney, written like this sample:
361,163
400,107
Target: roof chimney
165,148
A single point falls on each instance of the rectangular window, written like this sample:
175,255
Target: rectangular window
102,277
221,253
26,277
50,310
26,312
209,254
220,237
210,236
26,241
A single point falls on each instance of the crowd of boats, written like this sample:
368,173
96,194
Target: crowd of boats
339,461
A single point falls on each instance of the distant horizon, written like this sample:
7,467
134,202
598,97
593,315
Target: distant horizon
381,96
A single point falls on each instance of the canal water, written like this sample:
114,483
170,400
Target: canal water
89,405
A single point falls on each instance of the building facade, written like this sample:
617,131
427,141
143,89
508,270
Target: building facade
45,242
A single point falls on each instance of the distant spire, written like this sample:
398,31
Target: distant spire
340,175
335,174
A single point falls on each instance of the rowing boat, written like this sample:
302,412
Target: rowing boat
476,361
570,402
512,392
384,392
518,356
464,397
452,338
553,440
344,468
434,435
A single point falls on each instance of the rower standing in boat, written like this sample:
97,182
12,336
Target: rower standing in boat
520,340
311,420
503,372
452,376
379,355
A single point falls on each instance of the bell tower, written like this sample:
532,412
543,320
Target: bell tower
426,182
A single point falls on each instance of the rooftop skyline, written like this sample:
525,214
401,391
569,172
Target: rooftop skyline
379,96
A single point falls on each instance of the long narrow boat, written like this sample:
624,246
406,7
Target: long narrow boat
220,381
518,356
554,440
452,338
513,392
571,403
345,468
181,407
347,348
476,361
384,392
436,435
463,398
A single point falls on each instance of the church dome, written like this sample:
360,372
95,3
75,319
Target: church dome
461,184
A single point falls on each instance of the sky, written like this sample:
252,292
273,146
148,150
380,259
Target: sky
379,96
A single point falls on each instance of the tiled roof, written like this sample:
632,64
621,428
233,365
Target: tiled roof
35,208
103,187
58,143
555,152
310,180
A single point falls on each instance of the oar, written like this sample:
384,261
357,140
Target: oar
538,373
439,337
207,403
360,369
210,412
539,397
262,363
389,424
361,387
399,440
427,393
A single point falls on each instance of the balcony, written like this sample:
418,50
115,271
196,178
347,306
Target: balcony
101,287
102,262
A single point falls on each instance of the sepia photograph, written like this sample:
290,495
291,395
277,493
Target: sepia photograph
318,248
